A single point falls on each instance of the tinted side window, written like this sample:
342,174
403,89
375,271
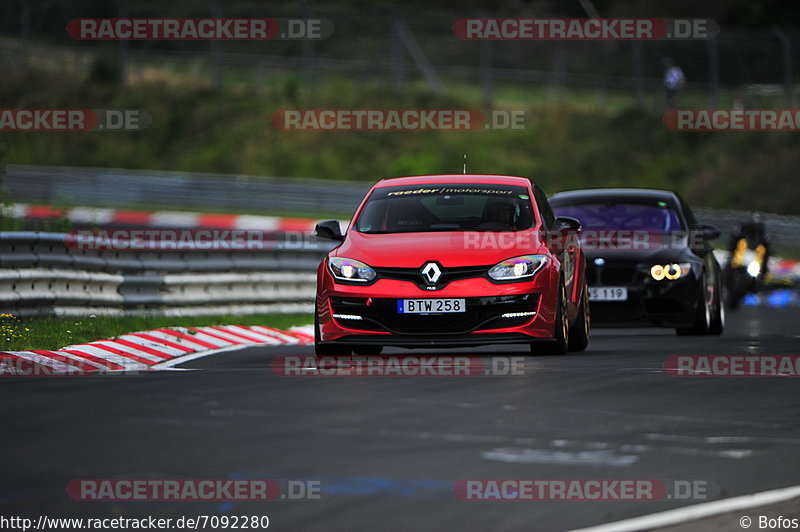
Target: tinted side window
544,207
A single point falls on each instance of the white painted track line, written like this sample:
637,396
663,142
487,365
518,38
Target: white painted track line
697,511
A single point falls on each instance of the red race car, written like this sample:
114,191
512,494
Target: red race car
452,261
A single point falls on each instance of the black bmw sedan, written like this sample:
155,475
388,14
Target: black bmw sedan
648,261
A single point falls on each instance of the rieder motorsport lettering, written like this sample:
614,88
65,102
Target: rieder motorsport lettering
449,191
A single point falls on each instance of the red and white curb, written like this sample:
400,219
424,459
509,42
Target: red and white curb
147,350
785,268
164,219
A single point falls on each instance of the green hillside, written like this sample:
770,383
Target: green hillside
565,145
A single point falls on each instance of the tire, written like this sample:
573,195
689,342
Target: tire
735,292
733,301
702,317
718,317
327,350
367,350
579,330
558,346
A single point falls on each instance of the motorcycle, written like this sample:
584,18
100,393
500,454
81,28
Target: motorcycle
744,273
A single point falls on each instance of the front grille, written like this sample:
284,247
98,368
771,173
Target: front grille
448,275
610,274
482,313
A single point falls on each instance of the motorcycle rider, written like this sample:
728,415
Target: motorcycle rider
751,234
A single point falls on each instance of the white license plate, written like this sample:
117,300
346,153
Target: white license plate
430,306
608,293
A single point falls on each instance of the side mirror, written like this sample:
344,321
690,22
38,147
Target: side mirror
564,234
565,223
329,229
706,232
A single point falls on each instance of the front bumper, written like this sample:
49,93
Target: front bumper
650,303
483,322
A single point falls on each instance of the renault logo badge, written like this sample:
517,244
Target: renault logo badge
431,272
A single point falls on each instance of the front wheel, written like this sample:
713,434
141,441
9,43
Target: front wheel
718,317
736,288
702,317
559,344
579,331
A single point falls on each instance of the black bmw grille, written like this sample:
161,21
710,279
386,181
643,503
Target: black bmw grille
482,313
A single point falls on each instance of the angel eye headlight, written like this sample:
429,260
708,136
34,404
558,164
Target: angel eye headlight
523,267
657,272
670,271
350,270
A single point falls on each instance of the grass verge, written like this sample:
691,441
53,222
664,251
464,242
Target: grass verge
50,333
566,143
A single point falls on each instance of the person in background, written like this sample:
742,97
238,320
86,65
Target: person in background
674,81
751,234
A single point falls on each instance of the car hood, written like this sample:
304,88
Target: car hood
643,247
450,249
659,256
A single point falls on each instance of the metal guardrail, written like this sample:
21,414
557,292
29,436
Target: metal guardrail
117,187
35,249
783,228
41,274
111,187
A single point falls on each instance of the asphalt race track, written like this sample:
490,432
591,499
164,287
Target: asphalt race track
388,450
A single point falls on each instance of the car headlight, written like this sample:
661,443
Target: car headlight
523,267
670,271
754,268
350,270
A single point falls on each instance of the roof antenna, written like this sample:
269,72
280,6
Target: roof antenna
465,164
